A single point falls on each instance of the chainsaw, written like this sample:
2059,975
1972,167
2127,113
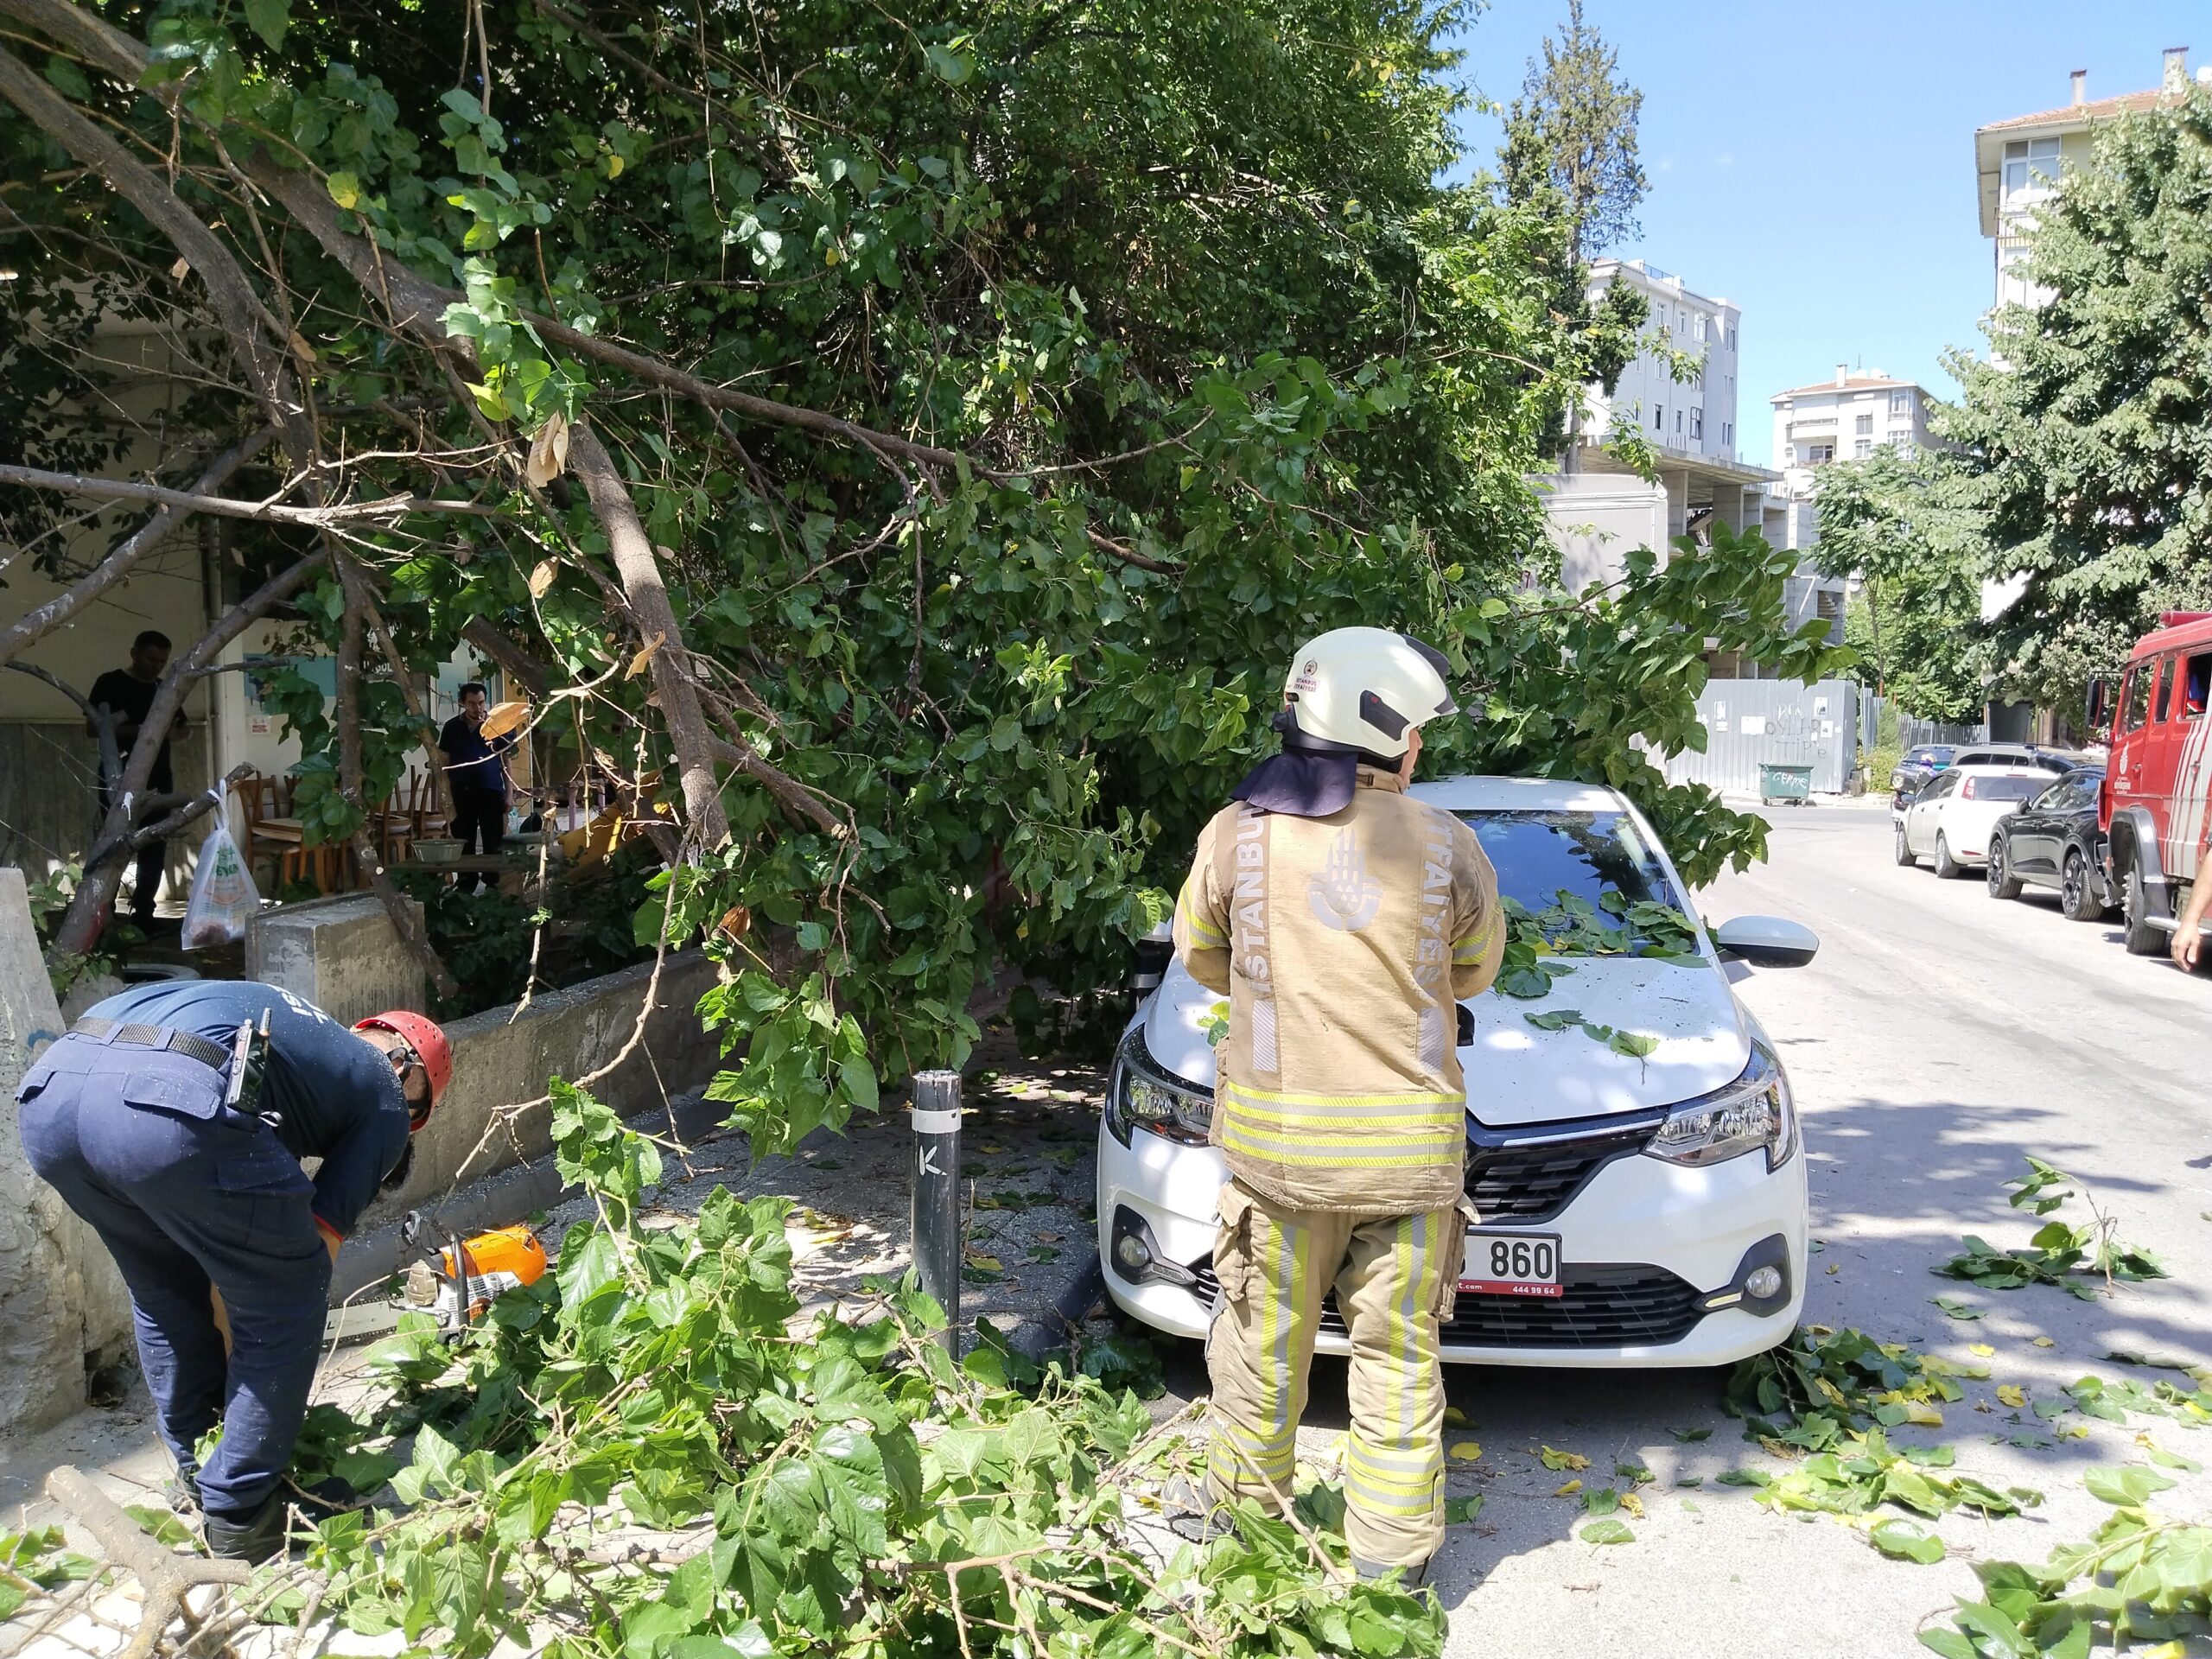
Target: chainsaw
454,1285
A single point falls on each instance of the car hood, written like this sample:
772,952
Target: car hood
1518,1073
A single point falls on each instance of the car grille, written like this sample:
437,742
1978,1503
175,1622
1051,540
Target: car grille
1527,1183
1599,1305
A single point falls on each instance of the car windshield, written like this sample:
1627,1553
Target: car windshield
2003,789
1927,756
1577,873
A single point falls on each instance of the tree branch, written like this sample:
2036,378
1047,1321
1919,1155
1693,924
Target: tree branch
46,618
483,635
87,914
125,489
641,581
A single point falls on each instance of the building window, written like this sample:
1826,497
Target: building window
1728,434
1678,423
1865,425
1697,328
1731,336
1862,447
1789,454
1658,417
1817,454
1697,423
2031,164
1901,403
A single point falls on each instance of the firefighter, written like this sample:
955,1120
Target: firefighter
172,1118
1343,920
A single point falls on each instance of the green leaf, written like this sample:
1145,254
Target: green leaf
1554,1019
1608,1531
2129,1487
345,189
269,19
950,66
1906,1541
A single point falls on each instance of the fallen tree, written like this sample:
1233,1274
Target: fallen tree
908,452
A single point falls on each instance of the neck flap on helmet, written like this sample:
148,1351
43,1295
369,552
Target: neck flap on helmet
1312,777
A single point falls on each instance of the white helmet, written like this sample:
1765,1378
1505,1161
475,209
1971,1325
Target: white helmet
1364,689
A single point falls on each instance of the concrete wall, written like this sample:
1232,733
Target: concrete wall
60,1298
340,953
504,1056
1596,519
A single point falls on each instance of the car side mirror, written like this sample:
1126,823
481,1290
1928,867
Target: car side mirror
1767,940
1465,1037
2093,714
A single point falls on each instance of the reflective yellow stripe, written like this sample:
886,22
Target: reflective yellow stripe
1245,1091
1471,948
1202,932
1340,1157
1430,1122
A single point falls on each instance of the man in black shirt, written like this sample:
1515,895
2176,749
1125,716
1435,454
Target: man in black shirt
476,771
131,1116
126,695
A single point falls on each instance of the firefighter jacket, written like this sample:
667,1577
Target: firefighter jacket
1342,943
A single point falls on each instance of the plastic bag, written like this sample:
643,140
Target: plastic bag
223,893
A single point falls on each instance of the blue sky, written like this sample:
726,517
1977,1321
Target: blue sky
1814,163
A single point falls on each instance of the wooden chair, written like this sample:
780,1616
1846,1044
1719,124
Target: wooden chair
270,831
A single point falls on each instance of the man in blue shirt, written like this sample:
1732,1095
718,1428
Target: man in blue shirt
194,1185
476,771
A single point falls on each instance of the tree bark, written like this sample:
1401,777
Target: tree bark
87,914
117,564
669,664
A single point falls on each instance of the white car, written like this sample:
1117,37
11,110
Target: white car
1643,1211
1950,821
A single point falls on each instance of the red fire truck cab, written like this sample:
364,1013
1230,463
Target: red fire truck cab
2153,806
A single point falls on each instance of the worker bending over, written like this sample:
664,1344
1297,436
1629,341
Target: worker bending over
173,1119
1343,920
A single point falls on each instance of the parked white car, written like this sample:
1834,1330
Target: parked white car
1640,1212
1950,821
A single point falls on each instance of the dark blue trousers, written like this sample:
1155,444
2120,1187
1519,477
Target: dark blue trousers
186,1193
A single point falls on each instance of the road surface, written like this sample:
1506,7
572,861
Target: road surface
1939,1036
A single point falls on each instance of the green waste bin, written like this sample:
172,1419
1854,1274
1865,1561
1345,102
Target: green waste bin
1791,783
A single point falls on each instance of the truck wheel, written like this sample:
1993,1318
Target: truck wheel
2003,884
2077,891
2141,938
1946,867
1906,856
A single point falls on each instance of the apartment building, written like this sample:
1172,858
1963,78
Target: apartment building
1599,509
2018,162
1846,418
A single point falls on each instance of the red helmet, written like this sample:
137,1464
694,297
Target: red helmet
431,1047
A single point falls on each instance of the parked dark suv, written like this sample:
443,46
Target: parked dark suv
2053,842
1922,761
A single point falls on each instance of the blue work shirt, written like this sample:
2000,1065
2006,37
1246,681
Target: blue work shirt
472,761
335,1095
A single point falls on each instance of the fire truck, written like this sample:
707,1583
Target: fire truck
2153,807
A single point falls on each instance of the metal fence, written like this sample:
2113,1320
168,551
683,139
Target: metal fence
1911,730
1750,723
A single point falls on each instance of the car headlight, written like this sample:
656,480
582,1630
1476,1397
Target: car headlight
1141,1094
1754,1112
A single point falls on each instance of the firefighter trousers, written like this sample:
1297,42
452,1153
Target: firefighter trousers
1394,1276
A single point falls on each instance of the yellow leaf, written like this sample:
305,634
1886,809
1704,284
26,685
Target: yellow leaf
345,189
301,350
506,717
991,1146
613,165
2045,1342
1569,1490
1452,1414
1833,1268
1980,1349
2011,1394
542,578
1926,1416
1556,1459
977,1259
637,663
1633,1504
1466,1451
2169,1650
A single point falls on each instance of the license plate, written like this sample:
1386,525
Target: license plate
1511,1264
